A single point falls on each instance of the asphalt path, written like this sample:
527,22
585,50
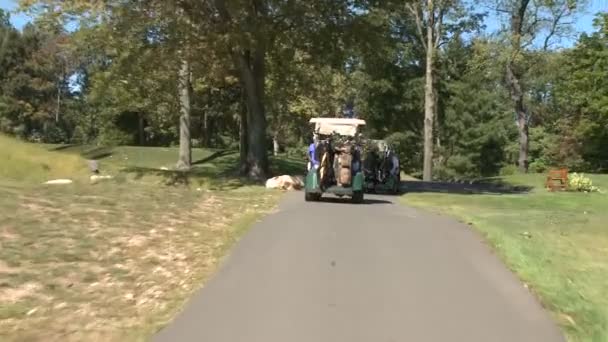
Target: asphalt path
333,271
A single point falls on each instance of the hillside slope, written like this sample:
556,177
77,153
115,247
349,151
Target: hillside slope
21,161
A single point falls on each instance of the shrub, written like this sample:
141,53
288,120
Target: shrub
578,182
408,147
457,168
508,170
538,166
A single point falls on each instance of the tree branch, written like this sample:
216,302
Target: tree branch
439,25
554,25
419,23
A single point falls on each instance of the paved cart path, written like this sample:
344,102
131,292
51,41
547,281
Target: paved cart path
375,272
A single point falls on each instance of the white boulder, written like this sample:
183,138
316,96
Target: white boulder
59,181
285,182
97,178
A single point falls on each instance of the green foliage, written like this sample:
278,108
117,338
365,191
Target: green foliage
409,148
34,68
538,166
578,182
320,56
583,100
509,170
544,148
475,124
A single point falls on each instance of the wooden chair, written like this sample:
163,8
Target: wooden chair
557,180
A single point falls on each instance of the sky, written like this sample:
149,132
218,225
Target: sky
583,24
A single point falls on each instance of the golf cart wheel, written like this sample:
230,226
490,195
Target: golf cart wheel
358,196
396,188
311,197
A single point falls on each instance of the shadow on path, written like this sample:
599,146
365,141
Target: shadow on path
493,186
347,200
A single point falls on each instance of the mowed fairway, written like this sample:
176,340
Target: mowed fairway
556,242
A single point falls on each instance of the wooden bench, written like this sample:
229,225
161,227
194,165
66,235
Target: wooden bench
557,180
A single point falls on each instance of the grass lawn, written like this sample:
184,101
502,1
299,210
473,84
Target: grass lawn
557,243
214,169
116,260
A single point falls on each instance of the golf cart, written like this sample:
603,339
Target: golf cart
337,165
381,168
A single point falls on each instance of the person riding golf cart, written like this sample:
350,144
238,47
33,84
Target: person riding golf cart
382,171
335,160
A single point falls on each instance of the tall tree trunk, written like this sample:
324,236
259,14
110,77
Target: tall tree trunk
250,63
429,98
184,161
513,79
140,129
244,169
253,76
517,96
243,145
58,108
275,145
206,130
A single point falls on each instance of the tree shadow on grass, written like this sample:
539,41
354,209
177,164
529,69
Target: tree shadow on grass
65,147
210,179
287,166
495,186
214,156
87,152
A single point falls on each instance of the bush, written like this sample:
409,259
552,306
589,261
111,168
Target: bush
508,170
54,134
456,168
296,152
408,147
538,166
578,182
110,136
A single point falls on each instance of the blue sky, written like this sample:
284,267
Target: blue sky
583,24
18,20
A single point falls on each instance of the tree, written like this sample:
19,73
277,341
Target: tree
254,30
429,17
435,20
581,95
528,20
34,66
184,161
476,122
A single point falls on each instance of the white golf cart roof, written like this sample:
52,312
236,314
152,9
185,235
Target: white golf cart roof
341,126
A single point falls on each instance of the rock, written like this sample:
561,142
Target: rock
60,306
96,178
93,166
285,182
59,181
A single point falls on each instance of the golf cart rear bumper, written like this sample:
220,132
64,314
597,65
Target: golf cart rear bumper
312,185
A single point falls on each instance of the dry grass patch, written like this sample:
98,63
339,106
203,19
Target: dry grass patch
112,262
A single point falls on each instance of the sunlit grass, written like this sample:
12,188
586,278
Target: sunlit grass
556,242
23,162
114,260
